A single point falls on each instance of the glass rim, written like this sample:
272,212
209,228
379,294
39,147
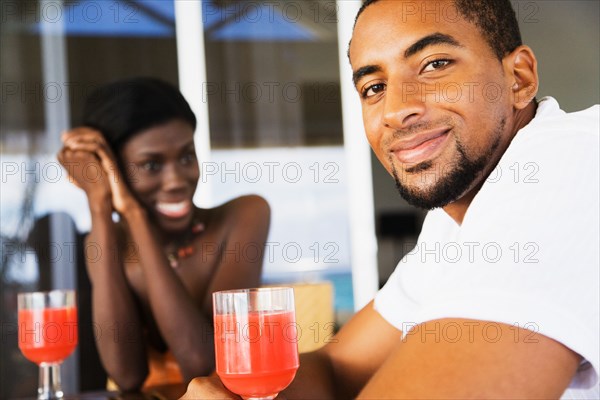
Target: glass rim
46,292
252,290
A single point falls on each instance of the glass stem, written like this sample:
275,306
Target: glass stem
49,384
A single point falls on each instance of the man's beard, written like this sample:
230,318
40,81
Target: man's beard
451,187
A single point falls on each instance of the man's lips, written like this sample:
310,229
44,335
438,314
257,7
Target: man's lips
420,147
174,209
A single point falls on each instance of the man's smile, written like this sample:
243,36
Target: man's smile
421,147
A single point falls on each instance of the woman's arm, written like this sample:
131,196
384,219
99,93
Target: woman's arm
242,252
185,325
180,321
115,314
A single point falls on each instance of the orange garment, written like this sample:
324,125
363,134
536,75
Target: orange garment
163,369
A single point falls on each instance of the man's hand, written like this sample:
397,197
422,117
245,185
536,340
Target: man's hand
208,388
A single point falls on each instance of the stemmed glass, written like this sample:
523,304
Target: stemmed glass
256,340
48,335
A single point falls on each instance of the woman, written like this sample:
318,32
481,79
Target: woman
157,267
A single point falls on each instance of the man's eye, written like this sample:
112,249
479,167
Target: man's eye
436,64
372,90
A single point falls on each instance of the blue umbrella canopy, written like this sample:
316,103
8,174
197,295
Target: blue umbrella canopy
230,21
255,21
141,18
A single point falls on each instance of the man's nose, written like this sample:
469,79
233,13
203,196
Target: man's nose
403,105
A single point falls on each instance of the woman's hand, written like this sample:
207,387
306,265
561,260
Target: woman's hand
85,171
93,167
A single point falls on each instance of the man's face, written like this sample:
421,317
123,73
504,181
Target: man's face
434,97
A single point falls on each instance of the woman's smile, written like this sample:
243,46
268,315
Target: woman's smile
174,210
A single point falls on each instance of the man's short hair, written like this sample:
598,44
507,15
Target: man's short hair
496,19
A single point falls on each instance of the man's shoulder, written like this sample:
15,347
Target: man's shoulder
567,126
551,163
591,113
556,137
583,122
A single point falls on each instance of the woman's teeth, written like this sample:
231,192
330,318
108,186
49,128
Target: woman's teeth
174,210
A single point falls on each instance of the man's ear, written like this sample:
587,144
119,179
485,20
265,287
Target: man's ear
521,72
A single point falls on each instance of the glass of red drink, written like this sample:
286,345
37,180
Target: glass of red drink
256,340
48,335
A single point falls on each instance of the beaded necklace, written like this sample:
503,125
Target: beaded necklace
184,249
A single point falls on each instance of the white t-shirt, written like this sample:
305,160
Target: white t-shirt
527,252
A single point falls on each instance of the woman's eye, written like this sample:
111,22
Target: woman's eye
372,90
188,158
436,64
151,166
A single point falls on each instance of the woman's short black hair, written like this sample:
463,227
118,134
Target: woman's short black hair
124,108
496,19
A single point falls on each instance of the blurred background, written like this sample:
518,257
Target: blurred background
278,122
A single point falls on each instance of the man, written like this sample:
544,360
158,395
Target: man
499,299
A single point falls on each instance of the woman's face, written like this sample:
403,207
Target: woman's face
162,171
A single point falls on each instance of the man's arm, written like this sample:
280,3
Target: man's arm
338,370
341,368
467,359
449,358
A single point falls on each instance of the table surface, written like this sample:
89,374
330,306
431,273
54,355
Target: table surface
167,392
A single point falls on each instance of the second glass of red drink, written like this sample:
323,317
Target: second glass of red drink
256,340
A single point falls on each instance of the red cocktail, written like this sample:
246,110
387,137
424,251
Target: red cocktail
48,335
256,341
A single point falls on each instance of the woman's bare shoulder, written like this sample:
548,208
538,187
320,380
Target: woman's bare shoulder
243,206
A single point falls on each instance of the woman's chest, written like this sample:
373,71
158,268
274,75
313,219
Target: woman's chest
194,269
